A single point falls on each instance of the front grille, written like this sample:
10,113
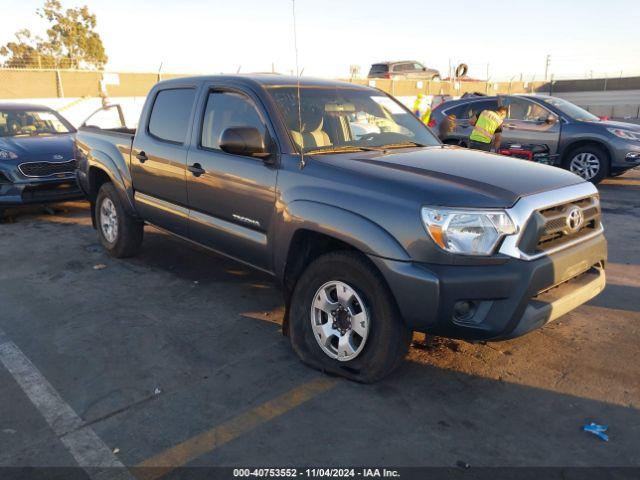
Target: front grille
47,169
556,228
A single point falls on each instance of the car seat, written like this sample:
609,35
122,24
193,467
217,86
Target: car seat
310,132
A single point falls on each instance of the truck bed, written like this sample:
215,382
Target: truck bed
121,131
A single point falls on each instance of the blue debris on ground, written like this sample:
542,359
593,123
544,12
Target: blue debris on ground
597,430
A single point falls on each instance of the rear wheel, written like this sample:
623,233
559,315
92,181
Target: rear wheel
120,233
590,162
343,319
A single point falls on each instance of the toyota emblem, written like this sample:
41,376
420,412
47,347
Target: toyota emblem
575,219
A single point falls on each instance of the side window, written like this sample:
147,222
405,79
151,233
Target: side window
171,113
536,113
418,66
518,108
478,107
459,111
228,109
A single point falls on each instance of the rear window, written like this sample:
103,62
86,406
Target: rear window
403,67
379,68
171,114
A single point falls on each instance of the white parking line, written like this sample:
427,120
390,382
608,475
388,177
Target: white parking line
89,451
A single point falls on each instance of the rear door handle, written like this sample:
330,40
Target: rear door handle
196,169
142,157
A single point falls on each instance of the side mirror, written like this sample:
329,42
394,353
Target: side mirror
247,141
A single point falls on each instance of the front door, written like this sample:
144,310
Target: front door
530,123
231,197
159,158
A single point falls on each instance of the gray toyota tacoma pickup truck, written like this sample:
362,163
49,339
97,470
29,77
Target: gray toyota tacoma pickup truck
373,228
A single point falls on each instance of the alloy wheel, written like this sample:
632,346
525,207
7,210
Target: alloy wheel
109,220
340,320
585,164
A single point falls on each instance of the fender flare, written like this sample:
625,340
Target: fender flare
336,222
104,162
572,144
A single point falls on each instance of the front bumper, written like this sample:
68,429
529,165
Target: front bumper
507,299
41,191
626,155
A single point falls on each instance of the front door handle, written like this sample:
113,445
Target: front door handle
510,126
196,169
142,157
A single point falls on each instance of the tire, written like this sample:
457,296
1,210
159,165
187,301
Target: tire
386,339
119,233
591,162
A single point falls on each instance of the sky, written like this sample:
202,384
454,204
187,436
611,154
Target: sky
504,38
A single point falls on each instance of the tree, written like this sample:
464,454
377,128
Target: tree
71,42
26,52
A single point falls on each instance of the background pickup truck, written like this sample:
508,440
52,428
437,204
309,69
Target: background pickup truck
373,228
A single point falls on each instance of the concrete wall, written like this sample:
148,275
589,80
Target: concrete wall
623,104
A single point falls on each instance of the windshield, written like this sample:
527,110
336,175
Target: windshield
335,120
14,123
571,110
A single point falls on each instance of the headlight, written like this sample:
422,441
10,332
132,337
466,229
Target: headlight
7,155
626,134
469,232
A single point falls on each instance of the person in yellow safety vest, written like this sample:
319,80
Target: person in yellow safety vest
426,116
487,129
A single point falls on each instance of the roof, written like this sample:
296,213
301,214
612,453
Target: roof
266,80
395,61
24,106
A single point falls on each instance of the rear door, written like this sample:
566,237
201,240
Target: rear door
462,114
159,159
528,122
231,197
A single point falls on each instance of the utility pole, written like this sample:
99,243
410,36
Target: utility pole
546,67
486,90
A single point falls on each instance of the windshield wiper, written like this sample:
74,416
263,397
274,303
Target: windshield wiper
401,145
342,149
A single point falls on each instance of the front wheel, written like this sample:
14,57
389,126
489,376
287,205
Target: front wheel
589,162
120,233
343,319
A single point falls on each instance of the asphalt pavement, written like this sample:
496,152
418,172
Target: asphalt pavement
175,358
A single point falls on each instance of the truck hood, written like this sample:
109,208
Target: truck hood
454,176
39,148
